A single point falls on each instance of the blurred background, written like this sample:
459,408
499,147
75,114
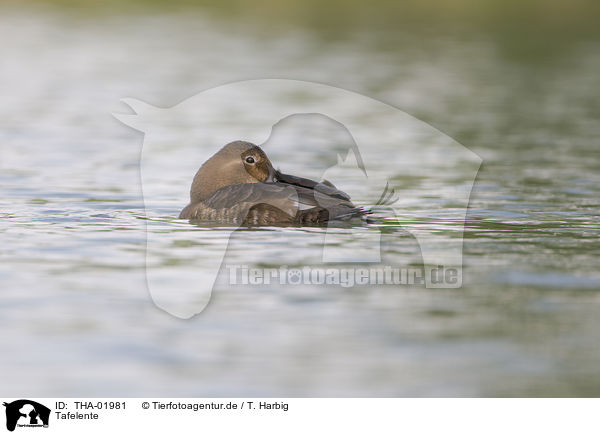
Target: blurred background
517,82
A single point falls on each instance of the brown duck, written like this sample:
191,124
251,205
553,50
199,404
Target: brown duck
239,185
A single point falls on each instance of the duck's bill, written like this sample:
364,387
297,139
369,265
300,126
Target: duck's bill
321,187
272,175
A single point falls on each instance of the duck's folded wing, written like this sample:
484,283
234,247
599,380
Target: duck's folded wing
234,202
282,196
266,203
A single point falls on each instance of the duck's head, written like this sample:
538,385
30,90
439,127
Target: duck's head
236,163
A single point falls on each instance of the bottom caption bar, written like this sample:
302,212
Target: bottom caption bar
265,415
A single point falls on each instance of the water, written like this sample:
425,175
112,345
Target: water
76,318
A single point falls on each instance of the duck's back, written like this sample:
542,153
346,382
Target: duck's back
271,203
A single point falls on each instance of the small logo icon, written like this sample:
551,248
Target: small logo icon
26,413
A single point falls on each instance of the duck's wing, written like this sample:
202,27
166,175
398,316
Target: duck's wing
324,187
281,196
320,201
269,203
323,203
233,203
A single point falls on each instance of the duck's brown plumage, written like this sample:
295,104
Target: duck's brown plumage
239,185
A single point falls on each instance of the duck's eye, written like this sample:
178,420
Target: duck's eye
250,160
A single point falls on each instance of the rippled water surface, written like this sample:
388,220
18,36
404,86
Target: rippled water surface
76,317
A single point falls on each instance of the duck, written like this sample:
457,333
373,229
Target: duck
239,185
